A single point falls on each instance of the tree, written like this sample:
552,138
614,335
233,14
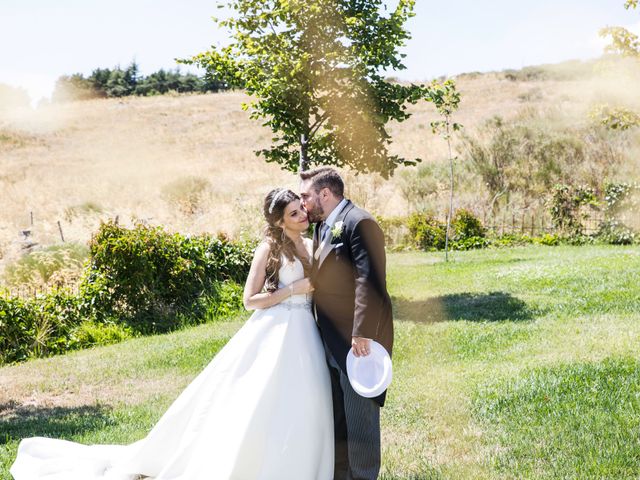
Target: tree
74,87
99,79
623,42
13,97
316,71
122,82
446,99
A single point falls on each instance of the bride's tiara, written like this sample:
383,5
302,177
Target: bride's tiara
275,198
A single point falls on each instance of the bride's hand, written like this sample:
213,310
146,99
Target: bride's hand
302,286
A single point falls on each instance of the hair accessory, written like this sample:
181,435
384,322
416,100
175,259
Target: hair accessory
275,199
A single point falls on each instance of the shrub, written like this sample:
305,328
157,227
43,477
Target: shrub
615,233
510,240
470,243
37,327
16,325
225,301
520,161
466,225
547,239
139,280
155,281
426,232
566,203
577,239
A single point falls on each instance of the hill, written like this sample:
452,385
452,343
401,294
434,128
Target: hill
187,162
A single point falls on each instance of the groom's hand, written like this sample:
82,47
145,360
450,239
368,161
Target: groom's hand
361,346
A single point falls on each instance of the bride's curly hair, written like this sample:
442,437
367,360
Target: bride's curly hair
280,244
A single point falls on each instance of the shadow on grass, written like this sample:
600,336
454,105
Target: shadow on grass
473,307
19,421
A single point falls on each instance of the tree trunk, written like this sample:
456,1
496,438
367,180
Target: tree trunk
304,159
450,214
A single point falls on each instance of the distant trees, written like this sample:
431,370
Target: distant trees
11,97
118,82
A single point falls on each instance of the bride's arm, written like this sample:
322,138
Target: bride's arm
254,298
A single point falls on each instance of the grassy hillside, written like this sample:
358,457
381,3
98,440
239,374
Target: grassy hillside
518,363
187,162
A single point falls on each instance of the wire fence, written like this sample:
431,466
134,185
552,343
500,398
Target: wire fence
535,225
27,292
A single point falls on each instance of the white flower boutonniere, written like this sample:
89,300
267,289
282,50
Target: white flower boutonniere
336,231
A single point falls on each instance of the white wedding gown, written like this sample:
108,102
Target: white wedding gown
261,410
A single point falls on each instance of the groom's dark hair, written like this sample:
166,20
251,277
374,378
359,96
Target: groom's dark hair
325,177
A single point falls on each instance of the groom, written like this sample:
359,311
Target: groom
352,307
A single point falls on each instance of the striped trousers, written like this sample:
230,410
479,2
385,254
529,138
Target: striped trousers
356,427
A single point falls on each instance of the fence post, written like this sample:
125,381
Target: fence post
533,224
60,228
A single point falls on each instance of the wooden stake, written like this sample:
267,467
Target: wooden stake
60,228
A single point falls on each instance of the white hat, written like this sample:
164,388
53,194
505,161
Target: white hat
371,375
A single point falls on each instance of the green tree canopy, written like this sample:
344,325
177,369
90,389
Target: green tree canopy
316,69
623,42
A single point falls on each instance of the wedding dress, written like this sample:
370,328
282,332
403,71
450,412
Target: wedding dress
261,410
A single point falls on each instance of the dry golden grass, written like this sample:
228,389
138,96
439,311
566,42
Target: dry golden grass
82,162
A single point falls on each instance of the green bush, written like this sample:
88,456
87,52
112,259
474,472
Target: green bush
466,226
577,239
140,280
155,281
565,208
16,325
470,243
37,327
427,233
547,239
511,240
225,301
616,233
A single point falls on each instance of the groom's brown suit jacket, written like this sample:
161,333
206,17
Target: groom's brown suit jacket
350,296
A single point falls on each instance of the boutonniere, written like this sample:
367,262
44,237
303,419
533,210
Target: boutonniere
336,231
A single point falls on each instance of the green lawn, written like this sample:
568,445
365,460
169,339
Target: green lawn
512,363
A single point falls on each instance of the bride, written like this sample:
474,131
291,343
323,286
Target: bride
261,409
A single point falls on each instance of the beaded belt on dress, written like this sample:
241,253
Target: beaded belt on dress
302,303
289,305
